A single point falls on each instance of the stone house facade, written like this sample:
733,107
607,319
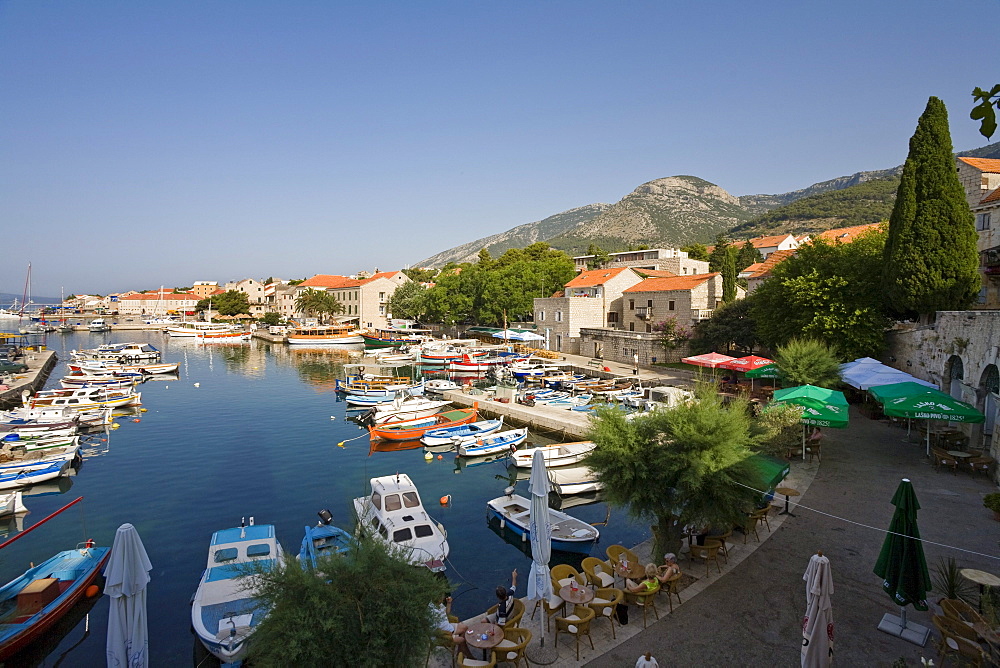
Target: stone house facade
156,303
593,298
687,299
980,177
660,259
365,300
254,290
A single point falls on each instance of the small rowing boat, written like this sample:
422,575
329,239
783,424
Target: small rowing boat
475,446
557,454
569,534
446,435
415,428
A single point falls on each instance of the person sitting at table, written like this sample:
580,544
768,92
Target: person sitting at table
816,436
457,630
649,584
669,569
505,602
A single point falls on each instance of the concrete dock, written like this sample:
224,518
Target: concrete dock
40,364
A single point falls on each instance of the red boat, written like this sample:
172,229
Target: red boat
405,430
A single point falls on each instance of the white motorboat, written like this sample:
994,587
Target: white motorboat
394,515
557,454
194,329
569,534
578,480
99,325
118,352
440,385
406,408
224,614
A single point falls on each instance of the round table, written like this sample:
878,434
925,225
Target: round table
581,596
787,492
635,570
474,637
981,578
960,454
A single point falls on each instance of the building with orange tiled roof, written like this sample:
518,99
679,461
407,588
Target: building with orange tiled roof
980,177
657,273
592,298
687,299
157,303
846,235
657,259
762,270
365,299
773,243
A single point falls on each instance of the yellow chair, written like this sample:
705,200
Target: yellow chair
724,539
605,603
598,572
476,663
670,588
963,612
511,648
554,605
955,640
563,574
515,616
750,526
709,552
761,516
618,552
442,639
577,624
645,600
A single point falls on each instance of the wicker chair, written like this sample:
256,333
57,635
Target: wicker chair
470,663
981,464
605,603
442,639
577,624
511,648
761,516
670,589
709,552
598,572
963,612
645,600
750,526
942,458
554,605
724,539
515,616
955,639
615,555
563,574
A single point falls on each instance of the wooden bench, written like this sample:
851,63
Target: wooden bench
599,363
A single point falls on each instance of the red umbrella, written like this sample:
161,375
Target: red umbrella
710,360
746,363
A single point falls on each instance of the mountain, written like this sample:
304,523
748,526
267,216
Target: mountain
518,237
759,204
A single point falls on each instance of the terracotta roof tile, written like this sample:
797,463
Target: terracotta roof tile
590,278
846,234
381,274
330,282
773,260
655,273
990,165
992,197
767,242
671,283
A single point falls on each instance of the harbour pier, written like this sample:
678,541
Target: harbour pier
40,364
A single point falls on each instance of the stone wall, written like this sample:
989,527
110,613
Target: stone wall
620,346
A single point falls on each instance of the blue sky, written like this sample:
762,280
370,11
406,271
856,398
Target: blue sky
159,143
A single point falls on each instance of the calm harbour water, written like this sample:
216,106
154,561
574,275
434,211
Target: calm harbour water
256,437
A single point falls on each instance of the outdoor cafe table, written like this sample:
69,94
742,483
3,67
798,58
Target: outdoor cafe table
493,633
581,596
960,454
635,570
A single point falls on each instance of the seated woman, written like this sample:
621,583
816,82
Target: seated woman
670,569
457,630
649,584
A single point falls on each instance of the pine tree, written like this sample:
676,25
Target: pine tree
748,255
729,276
718,255
930,260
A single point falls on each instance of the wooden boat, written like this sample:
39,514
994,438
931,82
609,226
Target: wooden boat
446,435
34,601
142,369
360,382
557,454
440,385
86,398
223,613
61,418
232,336
406,408
405,430
544,399
323,335
321,540
570,402
39,444
579,480
468,363
393,338
569,534
123,353
192,329
368,401
394,515
477,446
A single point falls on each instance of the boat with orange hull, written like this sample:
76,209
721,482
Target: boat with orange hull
405,430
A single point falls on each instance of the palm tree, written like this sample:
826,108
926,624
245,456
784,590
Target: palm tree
318,303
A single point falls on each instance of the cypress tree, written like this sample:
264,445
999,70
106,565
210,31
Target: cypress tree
931,262
748,255
729,275
718,255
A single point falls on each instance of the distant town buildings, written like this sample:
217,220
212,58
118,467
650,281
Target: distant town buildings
666,259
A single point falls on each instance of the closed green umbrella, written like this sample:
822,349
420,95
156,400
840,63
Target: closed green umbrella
903,568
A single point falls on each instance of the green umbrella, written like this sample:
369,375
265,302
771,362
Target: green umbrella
820,407
902,566
769,470
833,397
882,392
912,400
769,371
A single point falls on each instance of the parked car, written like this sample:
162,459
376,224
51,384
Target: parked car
13,367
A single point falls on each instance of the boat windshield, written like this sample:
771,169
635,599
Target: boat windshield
392,502
377,500
411,500
401,535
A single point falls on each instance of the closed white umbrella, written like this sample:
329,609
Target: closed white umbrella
126,577
539,581
817,626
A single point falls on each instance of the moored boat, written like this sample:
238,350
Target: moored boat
569,534
406,408
557,454
475,446
321,540
415,428
578,480
445,435
99,325
323,335
123,353
223,613
440,385
393,338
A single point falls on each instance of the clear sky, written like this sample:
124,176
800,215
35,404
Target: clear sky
160,143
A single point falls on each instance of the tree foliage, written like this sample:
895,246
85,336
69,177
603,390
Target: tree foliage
731,327
670,334
747,256
719,252
271,318
983,111
729,273
677,467
696,251
231,302
370,608
320,303
421,274
408,301
600,257
830,292
931,262
777,429
808,362
497,291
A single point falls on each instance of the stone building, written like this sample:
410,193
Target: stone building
662,259
980,177
686,299
157,303
254,290
364,299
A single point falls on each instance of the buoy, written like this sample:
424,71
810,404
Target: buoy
115,425
440,456
136,420
104,440
143,410
197,384
341,444
428,456
446,499
166,387
92,591
333,417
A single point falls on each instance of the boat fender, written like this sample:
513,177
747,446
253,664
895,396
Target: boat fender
445,500
92,591
90,543
428,456
115,425
143,410
503,523
136,420
524,537
440,456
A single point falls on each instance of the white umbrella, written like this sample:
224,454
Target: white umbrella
817,627
539,581
126,577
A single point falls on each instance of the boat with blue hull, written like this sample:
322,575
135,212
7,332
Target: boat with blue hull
223,613
474,446
448,435
322,540
569,534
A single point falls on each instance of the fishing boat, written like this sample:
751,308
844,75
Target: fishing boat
323,335
321,540
52,421
447,435
94,366
368,401
393,514
99,325
12,478
557,454
570,402
440,385
406,408
86,380
85,398
504,441
42,443
393,338
475,364
31,603
569,534
543,399
446,354
578,480
415,428
223,613
123,353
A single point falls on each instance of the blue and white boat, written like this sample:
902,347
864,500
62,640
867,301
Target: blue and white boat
448,435
22,476
542,400
570,402
569,534
367,401
473,446
223,613
321,540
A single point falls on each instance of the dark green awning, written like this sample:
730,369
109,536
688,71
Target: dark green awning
770,470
